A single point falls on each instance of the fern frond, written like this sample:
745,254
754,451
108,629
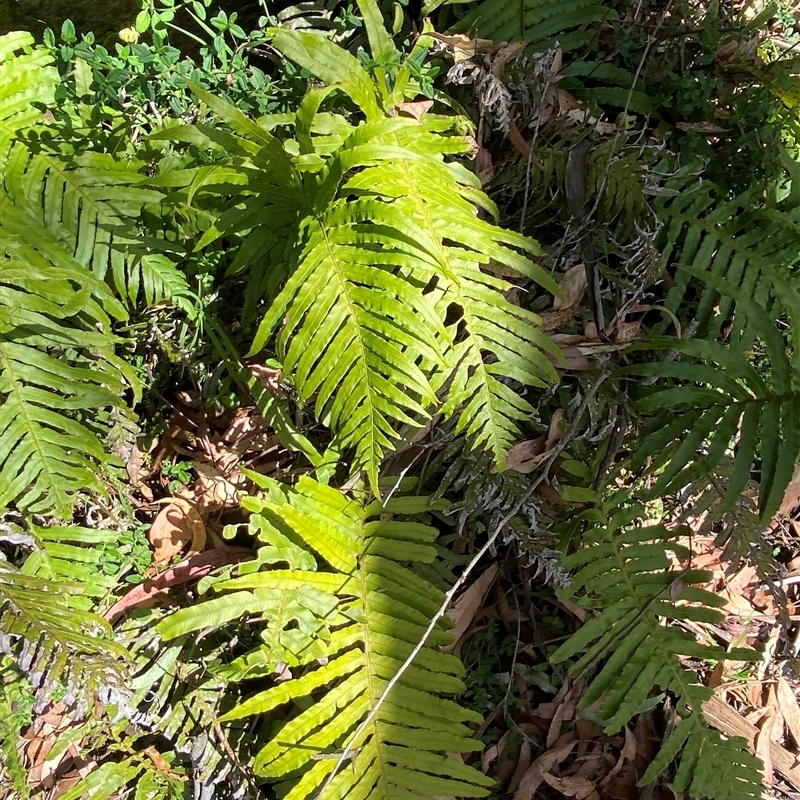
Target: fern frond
48,301
26,80
624,571
93,203
380,612
413,223
60,645
715,397
535,21
747,241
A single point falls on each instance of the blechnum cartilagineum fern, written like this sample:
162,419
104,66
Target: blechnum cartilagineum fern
342,608
624,572
368,253
374,226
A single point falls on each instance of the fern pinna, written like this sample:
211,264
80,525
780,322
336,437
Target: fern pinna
624,571
387,309
342,611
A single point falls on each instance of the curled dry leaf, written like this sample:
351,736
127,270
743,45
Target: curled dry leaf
212,491
791,499
465,48
189,569
763,746
416,109
701,127
177,526
523,765
554,433
534,777
526,456
579,788
573,286
138,474
506,53
790,708
268,377
628,331
468,604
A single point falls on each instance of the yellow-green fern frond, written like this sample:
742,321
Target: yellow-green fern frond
354,620
27,79
391,294
625,572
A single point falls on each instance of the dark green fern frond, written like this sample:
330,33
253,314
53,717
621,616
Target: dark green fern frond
747,241
540,21
715,397
381,610
624,571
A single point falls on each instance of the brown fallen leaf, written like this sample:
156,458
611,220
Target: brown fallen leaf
506,53
468,604
177,526
189,569
518,140
791,498
790,708
534,777
627,754
526,456
464,48
573,287
417,109
701,127
522,766
763,746
138,474
212,491
579,788
161,764
564,713
268,377
554,432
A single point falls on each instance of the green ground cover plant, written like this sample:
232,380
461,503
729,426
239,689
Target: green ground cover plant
396,223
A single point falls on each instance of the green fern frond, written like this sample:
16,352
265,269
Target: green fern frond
749,241
624,572
54,644
714,397
50,304
387,243
92,203
26,80
537,21
346,651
